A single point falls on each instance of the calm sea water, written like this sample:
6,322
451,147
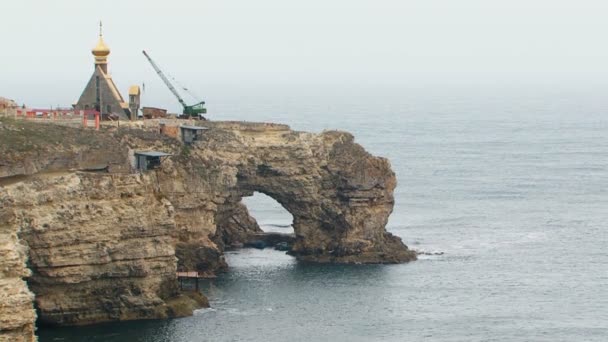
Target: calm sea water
510,184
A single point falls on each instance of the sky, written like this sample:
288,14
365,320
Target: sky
243,46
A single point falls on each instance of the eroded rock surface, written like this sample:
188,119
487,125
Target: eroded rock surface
100,246
106,246
339,195
16,310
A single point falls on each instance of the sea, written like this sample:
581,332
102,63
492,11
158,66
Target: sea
504,188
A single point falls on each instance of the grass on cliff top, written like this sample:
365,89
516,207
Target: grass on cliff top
25,136
144,135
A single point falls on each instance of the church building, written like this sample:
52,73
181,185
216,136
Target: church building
100,93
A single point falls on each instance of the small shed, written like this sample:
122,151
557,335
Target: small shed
153,113
191,134
149,160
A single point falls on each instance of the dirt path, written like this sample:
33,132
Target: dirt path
10,180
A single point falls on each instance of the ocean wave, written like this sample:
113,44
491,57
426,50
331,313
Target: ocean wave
276,225
203,311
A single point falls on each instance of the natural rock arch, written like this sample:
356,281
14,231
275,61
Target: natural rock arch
340,196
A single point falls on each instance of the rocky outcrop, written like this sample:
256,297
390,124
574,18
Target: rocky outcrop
339,195
17,314
106,246
234,225
7,106
100,246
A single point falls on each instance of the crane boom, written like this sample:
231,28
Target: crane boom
165,79
195,110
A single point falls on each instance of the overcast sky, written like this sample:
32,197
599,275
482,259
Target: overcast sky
219,46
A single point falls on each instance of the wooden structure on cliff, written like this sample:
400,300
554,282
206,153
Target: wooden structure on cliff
185,276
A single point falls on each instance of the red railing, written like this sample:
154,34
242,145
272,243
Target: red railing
88,118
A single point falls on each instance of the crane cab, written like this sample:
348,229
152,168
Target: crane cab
196,110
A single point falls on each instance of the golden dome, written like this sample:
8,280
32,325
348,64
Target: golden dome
101,50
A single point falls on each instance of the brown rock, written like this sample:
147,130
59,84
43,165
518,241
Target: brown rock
106,246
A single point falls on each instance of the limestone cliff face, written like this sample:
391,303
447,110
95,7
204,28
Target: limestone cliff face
106,246
100,246
339,195
16,310
234,225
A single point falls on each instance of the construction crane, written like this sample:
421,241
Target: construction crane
196,110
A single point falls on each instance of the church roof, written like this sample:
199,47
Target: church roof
114,90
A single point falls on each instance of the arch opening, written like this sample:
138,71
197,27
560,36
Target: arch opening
274,223
270,215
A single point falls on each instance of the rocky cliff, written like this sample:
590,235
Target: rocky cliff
16,310
339,195
105,245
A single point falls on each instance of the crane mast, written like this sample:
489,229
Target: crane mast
165,79
193,110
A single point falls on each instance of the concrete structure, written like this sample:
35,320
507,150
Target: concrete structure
100,93
191,134
134,101
149,160
7,107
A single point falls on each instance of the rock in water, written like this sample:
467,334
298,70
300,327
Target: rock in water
259,244
282,246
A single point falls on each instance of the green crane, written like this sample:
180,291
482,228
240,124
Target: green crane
196,110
